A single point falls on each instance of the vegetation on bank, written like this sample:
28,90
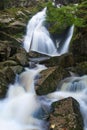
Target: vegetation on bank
60,18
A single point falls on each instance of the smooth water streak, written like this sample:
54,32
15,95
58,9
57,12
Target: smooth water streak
38,38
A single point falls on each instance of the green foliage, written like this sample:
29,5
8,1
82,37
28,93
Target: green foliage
60,18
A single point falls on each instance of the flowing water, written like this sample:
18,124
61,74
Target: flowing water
75,87
38,38
23,109
64,41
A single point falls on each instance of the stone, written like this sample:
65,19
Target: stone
7,76
17,23
21,57
50,79
65,60
4,50
66,115
5,36
17,69
79,69
79,46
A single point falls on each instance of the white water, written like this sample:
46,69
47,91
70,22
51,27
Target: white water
19,110
40,16
75,87
66,43
23,109
38,38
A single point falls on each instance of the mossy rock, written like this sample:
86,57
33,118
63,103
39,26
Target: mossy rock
79,68
66,115
79,45
50,80
65,60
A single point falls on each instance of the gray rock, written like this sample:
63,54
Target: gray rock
50,79
7,76
66,115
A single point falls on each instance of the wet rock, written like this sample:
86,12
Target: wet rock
79,46
64,61
79,68
33,54
7,63
7,76
17,23
10,53
5,36
17,69
50,79
4,50
3,85
20,57
66,115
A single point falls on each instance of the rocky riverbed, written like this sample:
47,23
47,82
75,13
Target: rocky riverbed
13,59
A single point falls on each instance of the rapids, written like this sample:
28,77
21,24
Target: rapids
23,109
75,87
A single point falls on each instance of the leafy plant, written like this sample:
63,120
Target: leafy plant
60,18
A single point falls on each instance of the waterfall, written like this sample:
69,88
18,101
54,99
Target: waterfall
40,16
38,38
75,87
22,109
64,41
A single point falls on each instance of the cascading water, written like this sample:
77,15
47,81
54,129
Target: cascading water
38,38
40,16
21,110
64,42
75,87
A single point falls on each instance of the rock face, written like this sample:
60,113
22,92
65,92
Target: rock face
79,46
66,115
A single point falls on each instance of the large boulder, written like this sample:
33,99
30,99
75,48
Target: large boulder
49,79
65,60
66,115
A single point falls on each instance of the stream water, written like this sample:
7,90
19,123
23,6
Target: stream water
23,109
